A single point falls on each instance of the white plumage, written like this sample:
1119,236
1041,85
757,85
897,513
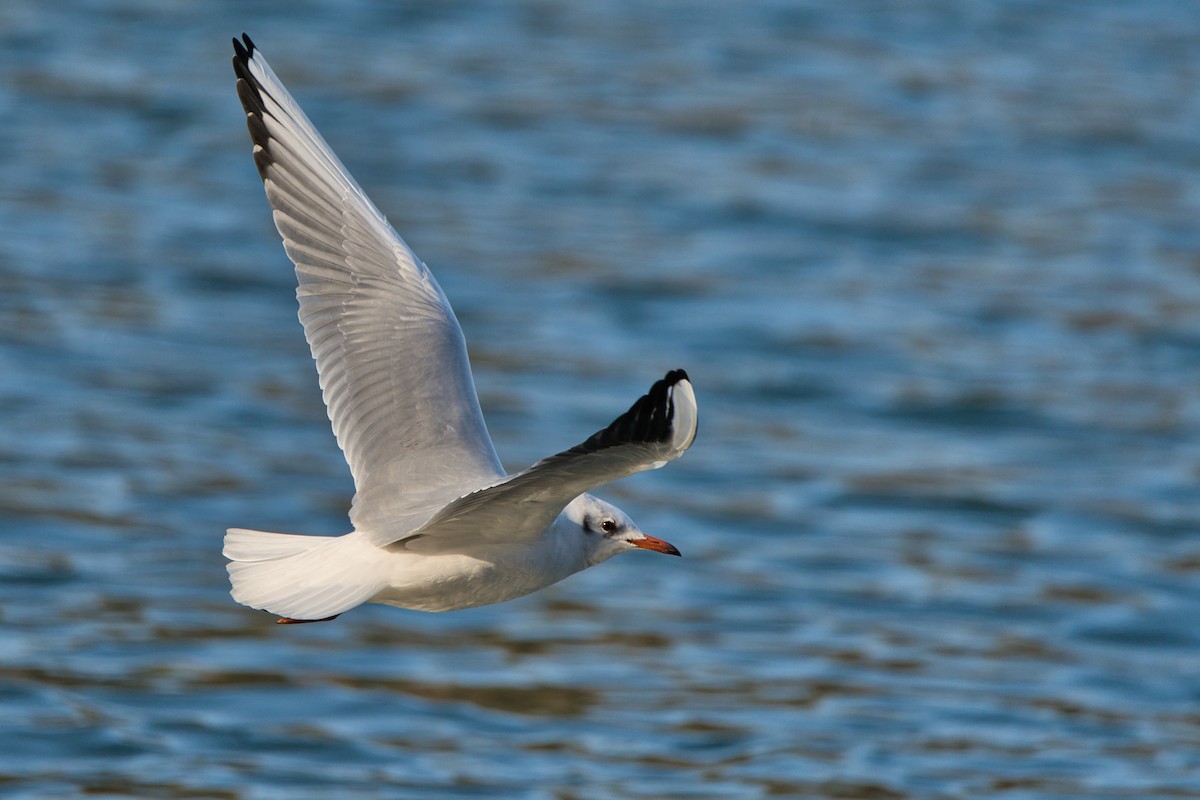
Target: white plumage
438,524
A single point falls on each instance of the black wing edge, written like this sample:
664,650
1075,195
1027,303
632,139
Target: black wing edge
648,421
250,94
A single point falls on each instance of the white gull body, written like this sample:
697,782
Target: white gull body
437,523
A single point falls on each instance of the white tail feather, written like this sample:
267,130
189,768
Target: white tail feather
300,577
244,545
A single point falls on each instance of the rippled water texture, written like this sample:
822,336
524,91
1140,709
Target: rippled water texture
935,273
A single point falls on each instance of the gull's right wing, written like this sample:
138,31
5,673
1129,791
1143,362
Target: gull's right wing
658,428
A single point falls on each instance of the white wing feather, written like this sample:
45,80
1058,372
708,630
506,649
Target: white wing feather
390,354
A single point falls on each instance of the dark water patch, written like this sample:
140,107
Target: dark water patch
516,646
119,785
1138,631
980,409
26,566
543,700
922,500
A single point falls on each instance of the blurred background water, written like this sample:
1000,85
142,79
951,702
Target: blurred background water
934,269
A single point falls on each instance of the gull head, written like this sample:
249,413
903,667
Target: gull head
606,530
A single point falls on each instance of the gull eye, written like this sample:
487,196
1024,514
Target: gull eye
608,525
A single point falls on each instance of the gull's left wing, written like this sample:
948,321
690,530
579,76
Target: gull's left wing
658,428
390,354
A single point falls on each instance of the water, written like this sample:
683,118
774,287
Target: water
935,273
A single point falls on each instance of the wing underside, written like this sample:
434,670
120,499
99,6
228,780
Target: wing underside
390,354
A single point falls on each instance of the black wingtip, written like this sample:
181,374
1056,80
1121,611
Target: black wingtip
249,92
675,376
647,421
241,59
243,51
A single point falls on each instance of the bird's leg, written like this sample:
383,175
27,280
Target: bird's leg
290,621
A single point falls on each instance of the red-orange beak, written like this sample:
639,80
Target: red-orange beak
655,544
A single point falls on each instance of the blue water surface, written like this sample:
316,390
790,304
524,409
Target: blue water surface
934,269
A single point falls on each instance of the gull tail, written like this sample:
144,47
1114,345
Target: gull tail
300,578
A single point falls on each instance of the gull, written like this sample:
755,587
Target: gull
437,522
